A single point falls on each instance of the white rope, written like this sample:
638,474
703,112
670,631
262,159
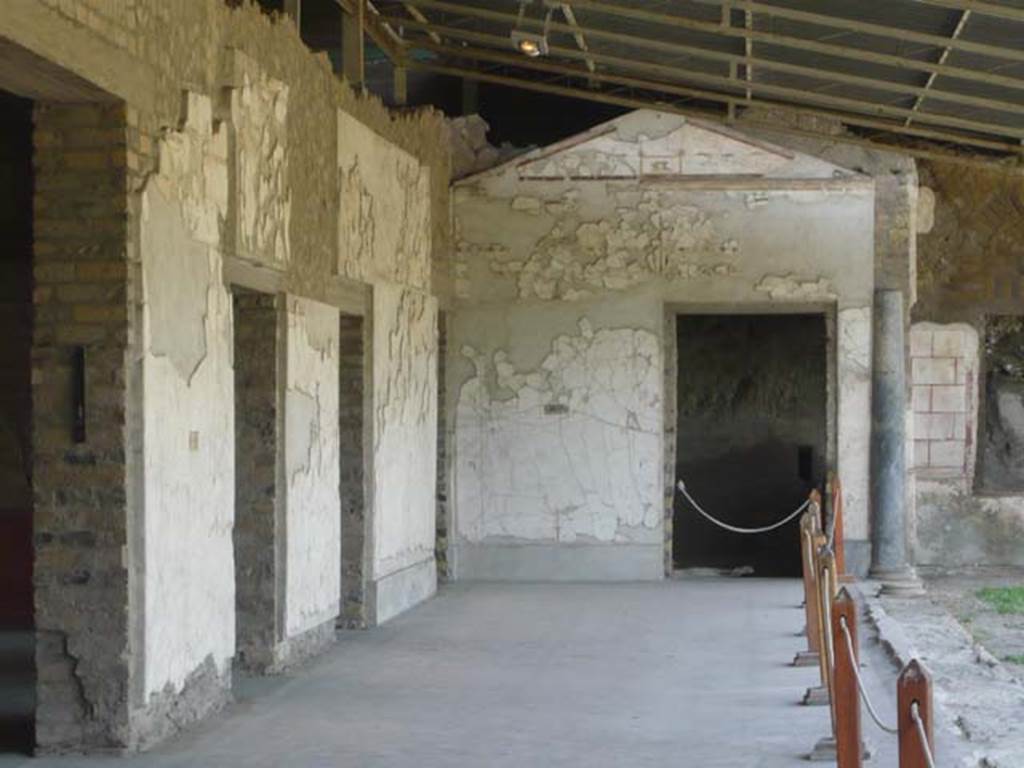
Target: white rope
925,746
860,683
763,529
826,611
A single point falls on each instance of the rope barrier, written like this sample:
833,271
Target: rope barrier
919,725
735,529
860,685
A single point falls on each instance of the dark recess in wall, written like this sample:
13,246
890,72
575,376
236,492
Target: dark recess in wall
16,184
17,671
751,436
1001,451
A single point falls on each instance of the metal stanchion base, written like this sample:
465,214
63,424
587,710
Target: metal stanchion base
806,659
815,697
825,750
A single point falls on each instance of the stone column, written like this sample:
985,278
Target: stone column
889,563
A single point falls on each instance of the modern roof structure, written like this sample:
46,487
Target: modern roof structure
927,75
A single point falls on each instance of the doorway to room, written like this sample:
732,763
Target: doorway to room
751,434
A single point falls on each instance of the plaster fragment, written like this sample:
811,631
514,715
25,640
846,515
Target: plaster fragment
789,287
925,210
526,204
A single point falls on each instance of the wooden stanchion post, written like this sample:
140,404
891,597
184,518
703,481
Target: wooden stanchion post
825,748
914,686
810,656
838,545
819,695
846,703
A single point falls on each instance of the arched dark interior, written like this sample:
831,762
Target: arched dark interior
751,435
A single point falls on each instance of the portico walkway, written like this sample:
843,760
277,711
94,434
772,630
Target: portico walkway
689,672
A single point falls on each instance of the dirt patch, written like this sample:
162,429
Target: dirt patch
989,603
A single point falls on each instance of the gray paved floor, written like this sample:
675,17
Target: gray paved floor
680,673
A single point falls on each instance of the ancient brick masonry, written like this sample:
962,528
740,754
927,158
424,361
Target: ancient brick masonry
81,579
441,551
353,520
256,468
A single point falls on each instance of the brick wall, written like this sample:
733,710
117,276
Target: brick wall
256,467
944,380
353,520
81,581
441,546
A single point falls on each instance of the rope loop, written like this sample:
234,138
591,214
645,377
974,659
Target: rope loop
926,748
736,529
860,684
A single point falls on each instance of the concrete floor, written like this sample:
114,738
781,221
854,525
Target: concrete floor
684,672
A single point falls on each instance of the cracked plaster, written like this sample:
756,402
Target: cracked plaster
570,451
259,111
649,235
312,466
404,427
790,287
189,436
384,209
651,144
533,255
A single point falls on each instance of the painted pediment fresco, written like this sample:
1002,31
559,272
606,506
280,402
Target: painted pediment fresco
650,144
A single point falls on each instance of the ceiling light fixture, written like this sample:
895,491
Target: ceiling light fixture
530,44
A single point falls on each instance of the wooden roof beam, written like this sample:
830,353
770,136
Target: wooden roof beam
551,67
636,103
661,46
797,43
961,23
755,86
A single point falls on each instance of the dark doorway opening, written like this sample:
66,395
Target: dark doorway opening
17,645
257,487
352,409
751,435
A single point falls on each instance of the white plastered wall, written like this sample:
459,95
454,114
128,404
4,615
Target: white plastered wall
557,341
189,422
313,517
384,238
404,442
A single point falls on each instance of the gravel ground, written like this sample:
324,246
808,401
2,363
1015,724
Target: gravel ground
961,640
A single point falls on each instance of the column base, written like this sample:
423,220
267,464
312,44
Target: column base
816,697
902,582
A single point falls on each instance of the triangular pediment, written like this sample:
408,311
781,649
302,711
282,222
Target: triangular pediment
650,144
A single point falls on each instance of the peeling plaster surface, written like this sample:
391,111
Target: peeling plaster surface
609,228
647,143
780,287
569,451
650,235
405,428
313,528
259,110
956,527
189,424
384,209
853,360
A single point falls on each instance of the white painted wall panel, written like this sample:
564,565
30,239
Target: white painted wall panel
188,414
404,424
313,527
